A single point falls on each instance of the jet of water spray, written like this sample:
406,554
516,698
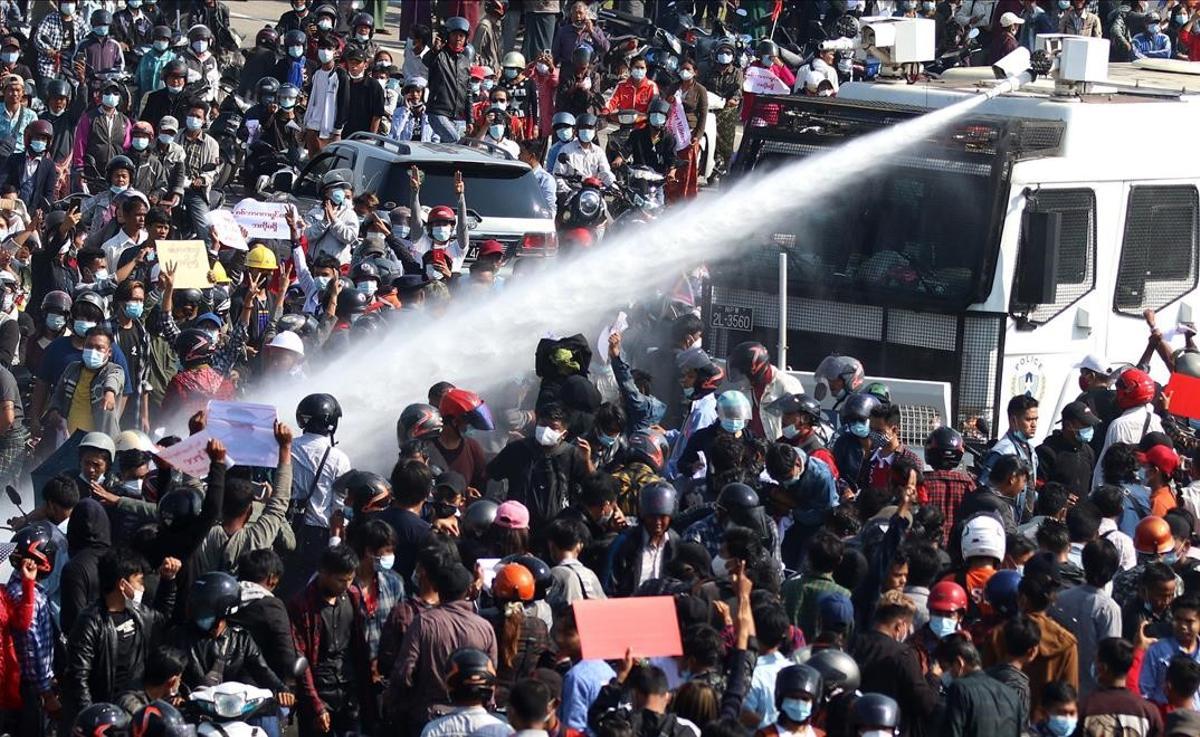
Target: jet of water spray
481,343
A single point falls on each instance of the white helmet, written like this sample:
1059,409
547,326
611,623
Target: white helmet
287,341
983,536
135,440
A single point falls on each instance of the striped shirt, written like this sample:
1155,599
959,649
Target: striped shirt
35,646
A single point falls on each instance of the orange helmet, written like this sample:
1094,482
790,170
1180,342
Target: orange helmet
513,582
1153,536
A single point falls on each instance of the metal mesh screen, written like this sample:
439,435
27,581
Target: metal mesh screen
914,162
1039,138
922,329
916,422
980,361
1076,274
1159,251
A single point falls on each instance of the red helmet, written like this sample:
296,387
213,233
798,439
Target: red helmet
440,214
462,403
947,596
1134,388
513,582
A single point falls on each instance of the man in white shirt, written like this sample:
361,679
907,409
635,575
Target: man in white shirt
583,157
132,215
1135,397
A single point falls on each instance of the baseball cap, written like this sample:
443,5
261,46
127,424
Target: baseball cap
1011,19
452,480
168,124
477,73
512,515
1163,458
1079,412
1092,362
354,53
835,610
491,247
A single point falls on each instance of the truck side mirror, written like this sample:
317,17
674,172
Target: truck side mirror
1037,263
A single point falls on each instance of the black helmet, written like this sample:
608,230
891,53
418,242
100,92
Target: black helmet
119,162
351,302
795,679
188,297
362,489
581,56
659,105
478,517
214,596
857,407
943,448
737,496
749,359
650,448
194,345
179,508
655,498
542,579
838,670
160,719
799,404
418,421
458,24
101,18
291,321
57,301
876,710
362,19
58,88
37,544
765,47
470,674
267,87
318,413
295,37
175,68
365,271
101,720
199,32
268,37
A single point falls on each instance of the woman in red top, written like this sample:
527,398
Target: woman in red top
634,93
768,58
15,615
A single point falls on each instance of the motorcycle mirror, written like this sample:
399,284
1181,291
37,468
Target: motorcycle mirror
15,497
282,180
299,666
562,159
741,11
973,34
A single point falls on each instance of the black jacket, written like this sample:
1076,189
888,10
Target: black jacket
89,536
449,84
234,656
1068,462
892,668
545,482
161,103
41,189
645,723
625,560
266,620
978,705
91,671
658,155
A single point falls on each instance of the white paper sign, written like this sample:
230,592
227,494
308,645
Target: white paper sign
227,231
677,123
762,81
247,430
188,455
263,219
489,567
618,327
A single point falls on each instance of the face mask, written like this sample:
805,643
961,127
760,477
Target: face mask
733,425
766,61
476,87
295,51
174,89
385,562
928,7
403,230
322,281
134,309
325,24
688,391
547,437
686,74
100,31
194,123
432,273
441,233
161,45
947,679
510,73
200,46
56,322
943,627
1064,4
392,84
720,567
502,104
1061,726
140,144
364,37
110,100
489,83
790,431
325,55
1170,558
542,69
287,103
337,197
565,134
637,74
496,131
67,8
587,135
798,710
137,596
135,4
9,58
367,287
93,358
658,120
1085,434
1181,20
725,58
165,138
206,623
133,486
360,75
1141,476
607,441
37,145
859,429
1153,29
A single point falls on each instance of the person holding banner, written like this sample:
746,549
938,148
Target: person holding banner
690,107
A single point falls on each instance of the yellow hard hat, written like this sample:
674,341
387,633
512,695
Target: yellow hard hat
219,275
261,257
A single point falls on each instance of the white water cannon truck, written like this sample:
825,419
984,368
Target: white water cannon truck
986,260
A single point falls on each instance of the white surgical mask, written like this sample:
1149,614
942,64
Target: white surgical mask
637,74
547,436
137,596
686,74
200,46
368,287
94,358
295,51
325,24
386,562
325,55
432,273
110,99
165,138
565,134
724,58
140,144
441,233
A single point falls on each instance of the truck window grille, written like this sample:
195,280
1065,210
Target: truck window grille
1159,251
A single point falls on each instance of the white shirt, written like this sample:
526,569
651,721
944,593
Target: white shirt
585,162
654,557
335,237
1122,542
467,720
307,451
113,247
1130,427
322,103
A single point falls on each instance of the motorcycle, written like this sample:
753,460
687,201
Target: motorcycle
641,197
224,131
965,53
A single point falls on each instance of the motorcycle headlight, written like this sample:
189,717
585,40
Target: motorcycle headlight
229,705
590,203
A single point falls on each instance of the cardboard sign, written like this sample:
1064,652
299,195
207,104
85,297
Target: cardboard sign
188,455
1184,392
247,430
226,230
762,81
677,123
263,219
645,625
190,261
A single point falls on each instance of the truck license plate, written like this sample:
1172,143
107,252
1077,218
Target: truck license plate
732,318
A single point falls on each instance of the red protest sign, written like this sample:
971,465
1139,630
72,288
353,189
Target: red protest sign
646,625
1184,393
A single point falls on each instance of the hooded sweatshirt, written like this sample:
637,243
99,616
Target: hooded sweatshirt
89,537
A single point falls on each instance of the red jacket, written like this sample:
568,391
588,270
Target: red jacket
305,612
191,389
14,615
